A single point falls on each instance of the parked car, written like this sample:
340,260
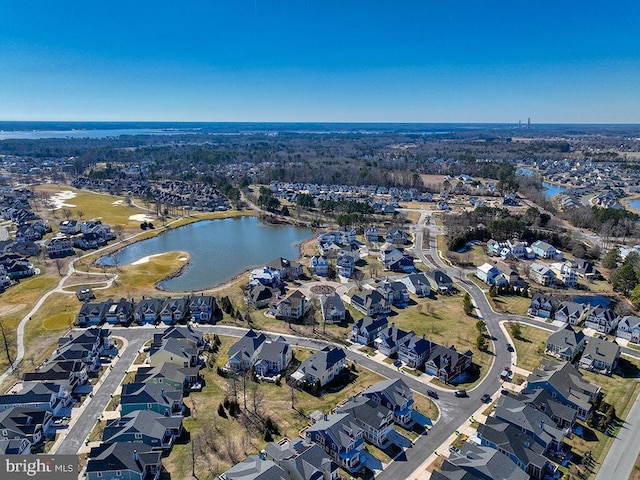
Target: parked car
510,347
454,450
486,398
460,393
432,393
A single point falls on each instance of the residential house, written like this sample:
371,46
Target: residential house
542,274
147,311
629,328
565,344
414,350
87,353
585,269
202,308
274,356
601,319
128,461
260,296
397,237
341,437
171,374
183,353
302,460
24,423
565,383
265,276
565,273
366,330
395,292
319,265
389,340
181,333
119,313
174,310
564,416
542,305
99,339
418,284
69,227
57,247
476,462
447,364
371,234
16,446
395,395
243,354
93,313
72,371
150,396
375,420
85,294
371,302
538,425
544,250
332,308
321,367
571,312
600,356
440,281
489,274
37,395
143,427
255,467
293,307
289,269
494,247
345,264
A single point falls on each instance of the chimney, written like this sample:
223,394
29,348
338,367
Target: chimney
541,424
597,350
326,417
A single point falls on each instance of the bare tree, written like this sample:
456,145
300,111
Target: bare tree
80,214
257,397
6,344
66,213
59,265
231,448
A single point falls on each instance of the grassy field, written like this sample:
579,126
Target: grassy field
230,439
512,304
530,346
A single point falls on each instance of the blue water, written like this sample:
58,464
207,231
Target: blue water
219,250
593,300
635,204
525,172
551,190
39,134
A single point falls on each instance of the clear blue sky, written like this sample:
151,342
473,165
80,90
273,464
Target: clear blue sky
321,60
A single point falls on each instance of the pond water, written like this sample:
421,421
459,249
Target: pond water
635,204
551,190
219,250
593,300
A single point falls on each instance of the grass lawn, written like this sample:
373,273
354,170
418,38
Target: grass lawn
512,304
530,346
234,438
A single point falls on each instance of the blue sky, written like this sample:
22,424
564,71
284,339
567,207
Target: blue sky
321,60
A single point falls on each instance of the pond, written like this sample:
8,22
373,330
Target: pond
593,300
635,204
219,250
551,190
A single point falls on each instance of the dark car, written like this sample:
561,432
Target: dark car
460,393
432,393
486,398
509,347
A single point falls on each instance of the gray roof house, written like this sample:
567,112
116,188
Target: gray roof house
341,437
565,344
170,374
202,308
564,416
133,461
255,468
21,422
15,446
120,312
535,423
143,426
260,295
448,364
365,330
440,281
571,312
174,310
542,306
150,396
479,463
371,302
600,356
243,354
389,339
302,460
273,357
418,284
565,382
395,395
148,310
375,419
37,395
321,367
629,328
332,308
181,352
601,319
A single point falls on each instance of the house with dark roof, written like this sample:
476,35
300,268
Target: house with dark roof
346,263
440,281
174,310
255,467
341,437
585,269
332,308
374,418
600,356
98,339
93,313
395,292
389,340
289,269
371,302
394,395
414,350
601,319
170,374
447,364
86,353
571,312
133,461
366,330
302,460
260,296
273,357
49,396
629,328
150,396
565,343
565,383
147,311
293,307
202,308
143,426
564,416
119,313
476,462
321,367
22,422
542,305
243,354
418,284
319,265
72,371
15,446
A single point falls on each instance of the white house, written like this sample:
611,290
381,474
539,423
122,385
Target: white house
566,273
319,265
544,250
488,273
629,328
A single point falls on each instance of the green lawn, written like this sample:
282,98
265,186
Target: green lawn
512,304
530,346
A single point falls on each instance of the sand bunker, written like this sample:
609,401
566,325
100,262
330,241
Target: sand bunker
118,202
58,200
141,217
145,259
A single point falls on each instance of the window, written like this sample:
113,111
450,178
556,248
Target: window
99,474
138,436
118,473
